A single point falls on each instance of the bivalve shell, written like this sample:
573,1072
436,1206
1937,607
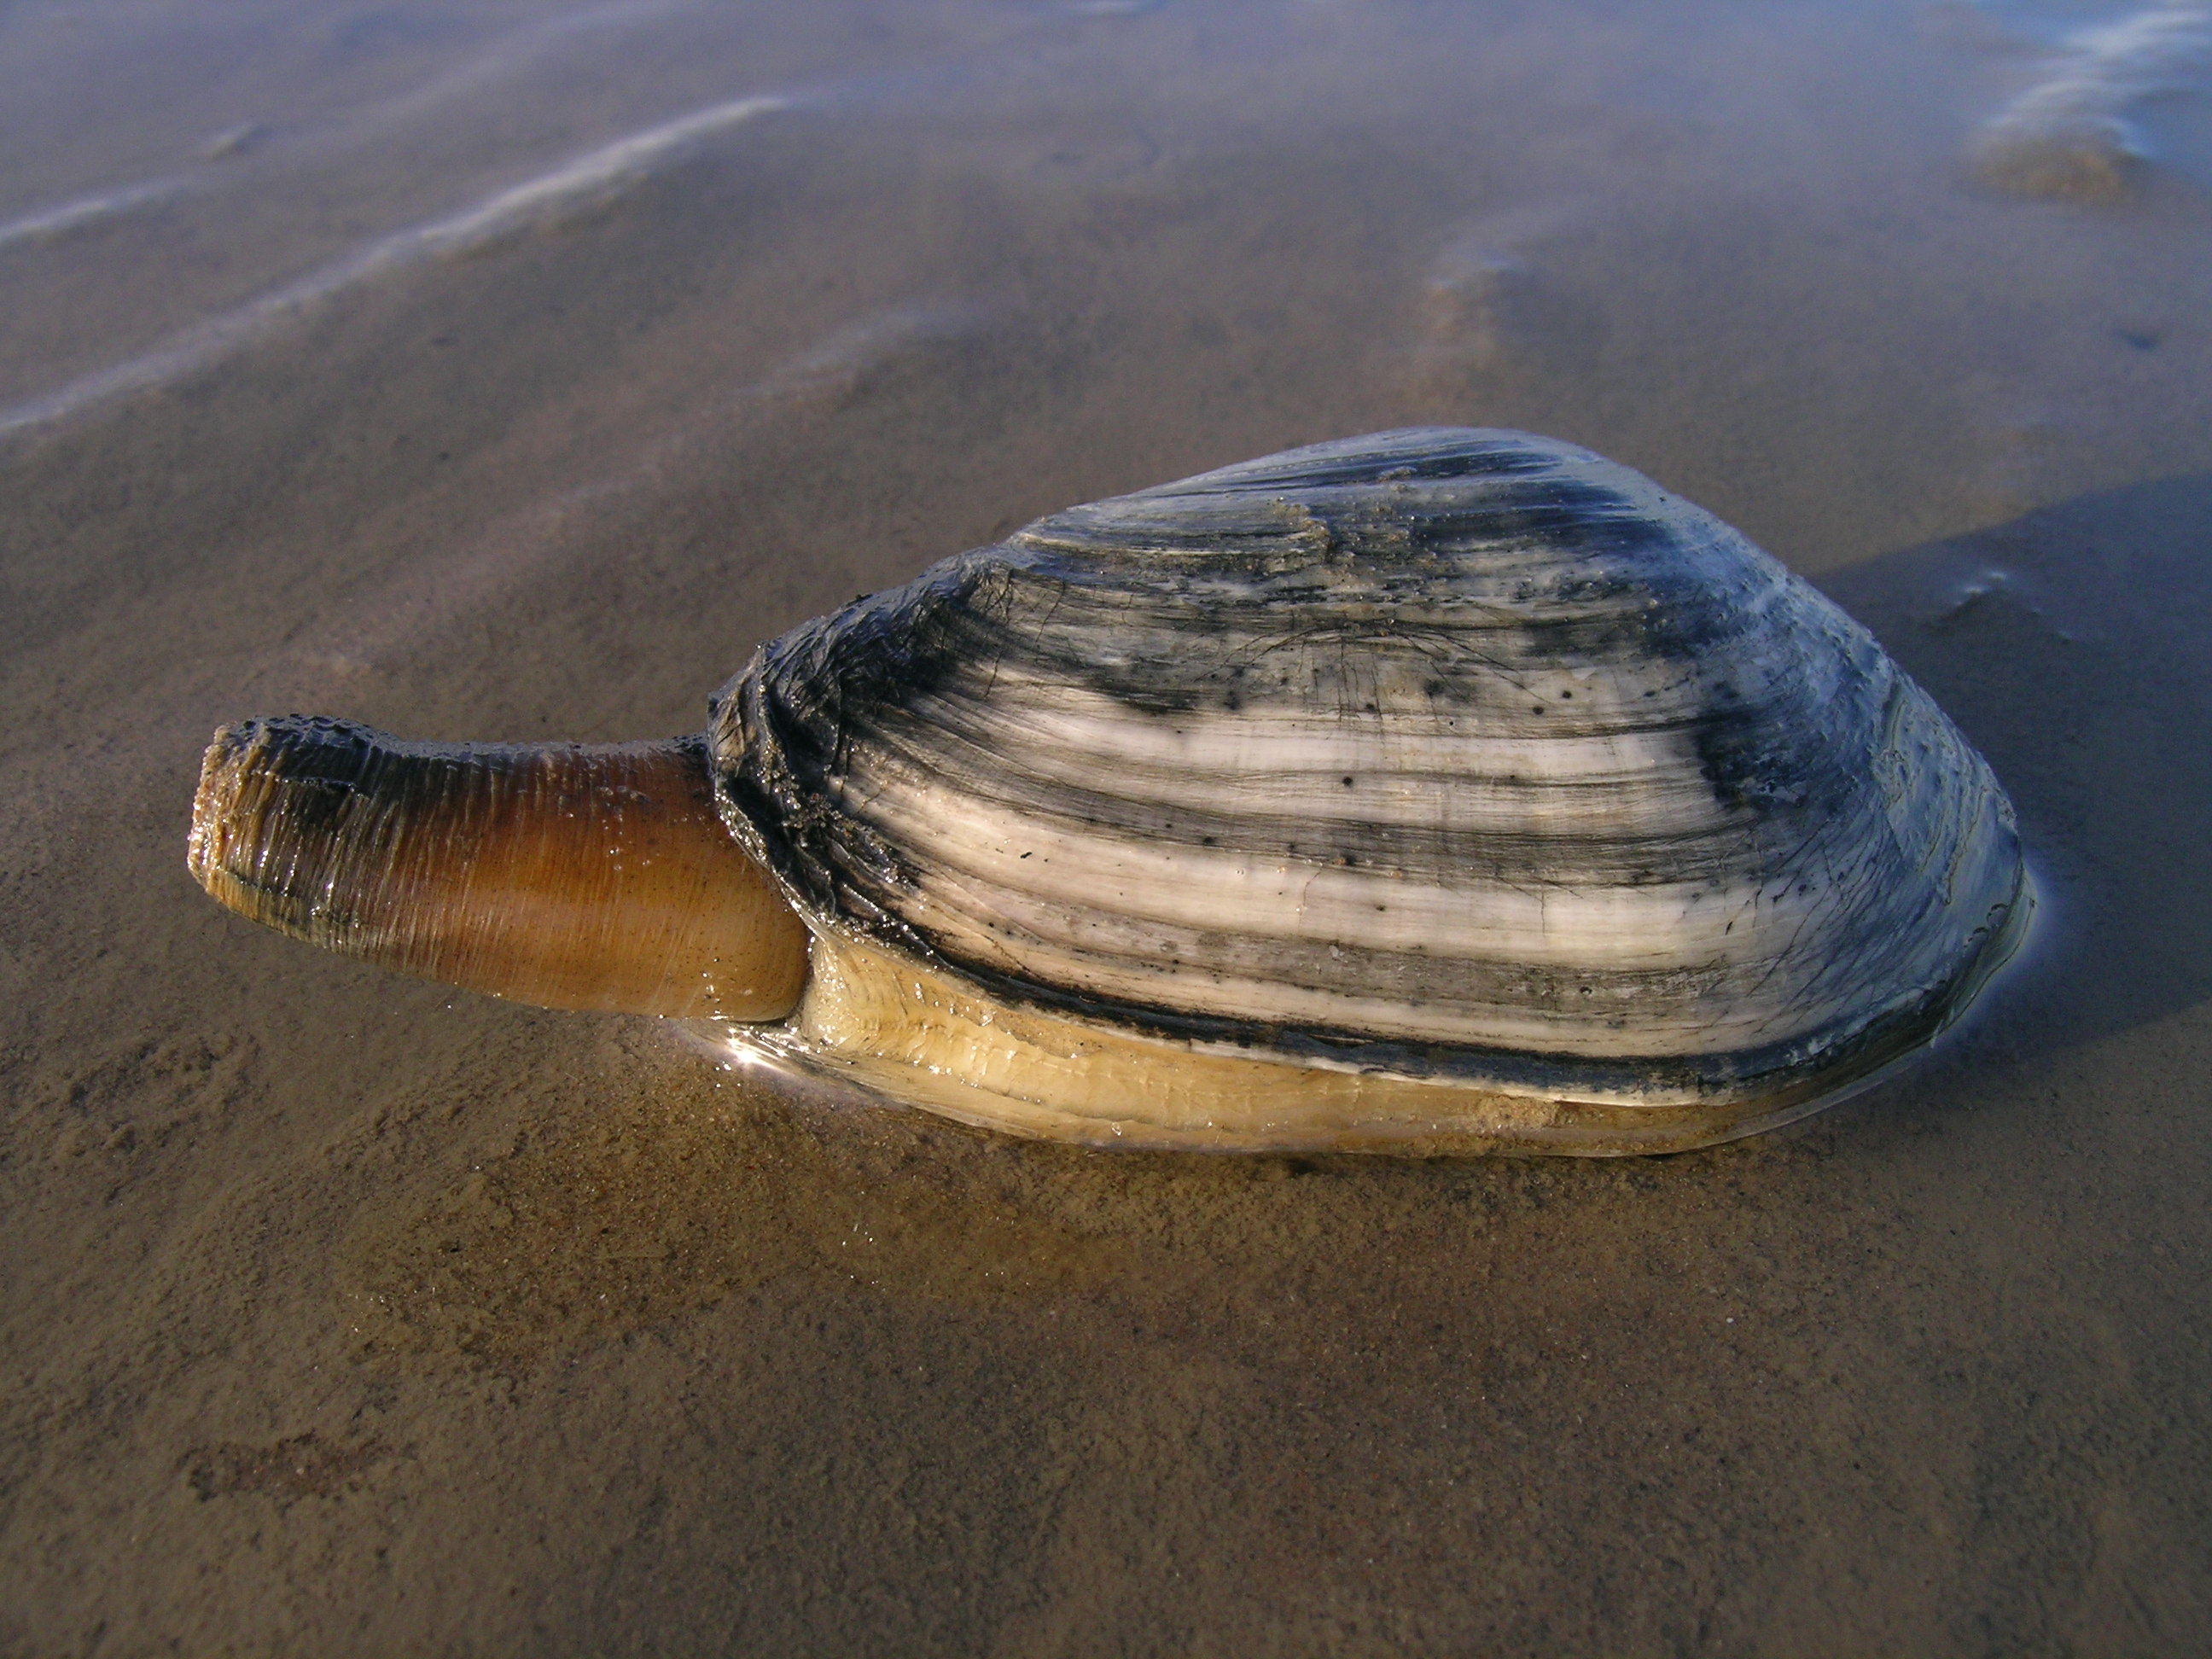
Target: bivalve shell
1442,788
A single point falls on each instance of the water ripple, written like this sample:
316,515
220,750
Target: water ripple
585,183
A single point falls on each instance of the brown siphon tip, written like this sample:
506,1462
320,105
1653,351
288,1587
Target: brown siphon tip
565,875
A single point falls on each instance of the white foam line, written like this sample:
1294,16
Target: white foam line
50,224
587,180
2071,132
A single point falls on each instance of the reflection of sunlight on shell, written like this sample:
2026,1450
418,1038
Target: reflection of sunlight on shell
1441,789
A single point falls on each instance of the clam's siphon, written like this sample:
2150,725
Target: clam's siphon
1436,791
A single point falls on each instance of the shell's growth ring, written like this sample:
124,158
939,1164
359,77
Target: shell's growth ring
1439,790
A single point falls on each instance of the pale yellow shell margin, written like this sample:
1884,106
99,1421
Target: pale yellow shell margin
891,1028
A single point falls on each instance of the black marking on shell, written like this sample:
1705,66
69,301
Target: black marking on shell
1630,807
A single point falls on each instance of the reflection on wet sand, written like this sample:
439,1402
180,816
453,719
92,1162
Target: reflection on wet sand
576,189
2072,135
2066,643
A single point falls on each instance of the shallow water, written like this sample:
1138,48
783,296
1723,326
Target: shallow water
494,370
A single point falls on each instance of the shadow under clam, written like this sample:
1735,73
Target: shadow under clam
2067,644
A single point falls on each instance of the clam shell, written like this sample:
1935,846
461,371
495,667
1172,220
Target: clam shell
1439,757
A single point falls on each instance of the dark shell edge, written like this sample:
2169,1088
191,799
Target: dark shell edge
763,803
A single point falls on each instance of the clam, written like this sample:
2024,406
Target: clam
1440,790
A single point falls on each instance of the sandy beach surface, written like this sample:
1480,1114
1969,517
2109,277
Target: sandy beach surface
490,369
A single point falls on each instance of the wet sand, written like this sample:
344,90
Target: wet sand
490,371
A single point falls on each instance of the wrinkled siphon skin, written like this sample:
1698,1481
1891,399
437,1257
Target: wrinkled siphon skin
565,875
1438,791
